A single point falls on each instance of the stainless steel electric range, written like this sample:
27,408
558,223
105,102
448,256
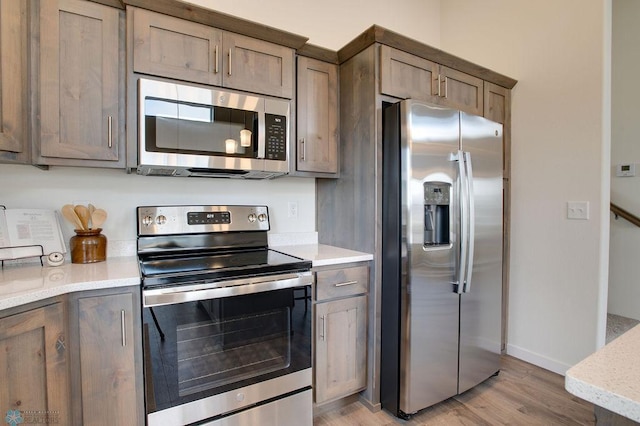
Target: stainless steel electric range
226,320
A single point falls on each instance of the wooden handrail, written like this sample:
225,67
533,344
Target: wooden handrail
618,211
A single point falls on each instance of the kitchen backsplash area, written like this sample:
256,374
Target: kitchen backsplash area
291,201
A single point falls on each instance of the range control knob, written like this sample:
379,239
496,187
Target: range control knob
161,220
147,220
252,217
262,217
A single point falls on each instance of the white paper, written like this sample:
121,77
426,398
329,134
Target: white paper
23,231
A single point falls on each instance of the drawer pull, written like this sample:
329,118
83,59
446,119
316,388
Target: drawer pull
346,283
124,332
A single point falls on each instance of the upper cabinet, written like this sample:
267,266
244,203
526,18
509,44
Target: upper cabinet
175,48
404,75
14,145
317,118
81,84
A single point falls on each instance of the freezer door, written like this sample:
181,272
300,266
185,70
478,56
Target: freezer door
429,305
480,306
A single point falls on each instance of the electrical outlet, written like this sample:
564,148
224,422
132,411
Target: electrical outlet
292,208
578,210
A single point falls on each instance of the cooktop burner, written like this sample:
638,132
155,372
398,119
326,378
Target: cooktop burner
161,270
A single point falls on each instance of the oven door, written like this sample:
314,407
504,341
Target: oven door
210,352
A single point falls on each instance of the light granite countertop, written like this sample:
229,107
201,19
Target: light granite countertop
21,284
610,377
324,255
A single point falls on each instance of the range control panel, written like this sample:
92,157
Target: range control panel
171,220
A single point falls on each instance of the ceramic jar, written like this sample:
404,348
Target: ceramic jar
88,246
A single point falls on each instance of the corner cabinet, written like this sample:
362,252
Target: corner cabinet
171,47
404,75
107,383
14,143
81,84
317,115
33,365
340,363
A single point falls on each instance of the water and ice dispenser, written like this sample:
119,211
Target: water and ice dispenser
437,200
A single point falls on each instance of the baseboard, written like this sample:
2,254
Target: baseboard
370,406
537,359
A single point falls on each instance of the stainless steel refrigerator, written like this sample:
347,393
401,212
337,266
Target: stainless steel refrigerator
441,252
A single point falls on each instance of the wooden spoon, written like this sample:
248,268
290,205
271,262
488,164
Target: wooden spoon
83,214
69,213
98,217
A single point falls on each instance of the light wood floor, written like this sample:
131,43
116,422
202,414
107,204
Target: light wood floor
522,394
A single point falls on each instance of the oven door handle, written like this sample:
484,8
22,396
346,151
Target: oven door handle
219,290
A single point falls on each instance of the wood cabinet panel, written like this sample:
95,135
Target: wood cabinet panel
405,76
342,282
176,48
33,362
257,66
109,387
340,348
460,91
317,117
497,102
14,145
79,82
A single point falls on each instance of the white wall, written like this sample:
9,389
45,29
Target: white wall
560,145
334,23
120,193
624,271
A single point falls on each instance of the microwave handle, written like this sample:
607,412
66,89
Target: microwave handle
261,135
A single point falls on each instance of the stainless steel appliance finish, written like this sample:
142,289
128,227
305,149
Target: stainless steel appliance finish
442,245
187,130
226,336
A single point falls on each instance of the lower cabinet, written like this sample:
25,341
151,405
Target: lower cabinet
340,366
106,377
33,366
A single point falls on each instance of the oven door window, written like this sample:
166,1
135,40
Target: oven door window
177,127
217,345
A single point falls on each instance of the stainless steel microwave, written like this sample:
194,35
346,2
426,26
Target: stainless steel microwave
186,130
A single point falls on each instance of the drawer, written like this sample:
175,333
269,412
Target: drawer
342,282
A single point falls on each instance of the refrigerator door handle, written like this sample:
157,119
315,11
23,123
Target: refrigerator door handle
463,198
471,222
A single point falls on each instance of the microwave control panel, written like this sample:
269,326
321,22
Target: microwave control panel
275,137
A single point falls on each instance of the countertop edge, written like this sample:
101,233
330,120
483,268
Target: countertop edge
603,398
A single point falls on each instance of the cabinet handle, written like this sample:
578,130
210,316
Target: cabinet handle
110,131
60,344
439,86
346,283
215,68
446,87
324,329
124,332
229,61
304,149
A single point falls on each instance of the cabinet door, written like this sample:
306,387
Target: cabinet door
317,116
341,359
33,366
13,82
405,76
110,388
175,48
497,102
257,66
79,82
461,91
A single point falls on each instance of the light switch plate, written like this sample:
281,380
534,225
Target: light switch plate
578,210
